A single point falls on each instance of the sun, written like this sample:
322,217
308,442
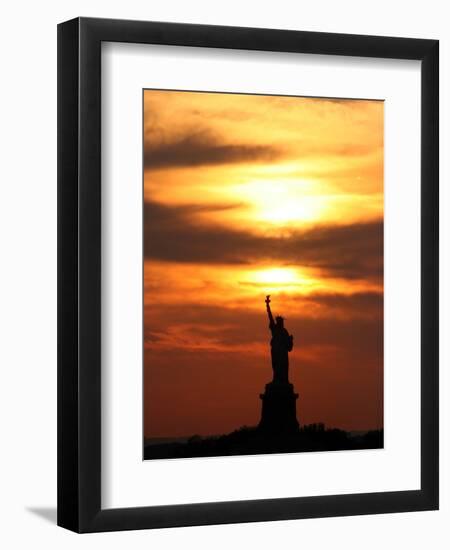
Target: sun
280,279
276,276
282,201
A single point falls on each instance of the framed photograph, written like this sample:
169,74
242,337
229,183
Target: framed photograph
247,274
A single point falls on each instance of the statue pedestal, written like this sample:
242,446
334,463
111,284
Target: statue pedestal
279,412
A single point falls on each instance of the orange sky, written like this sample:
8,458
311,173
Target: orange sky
246,196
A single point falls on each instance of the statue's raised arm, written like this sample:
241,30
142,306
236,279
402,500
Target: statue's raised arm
269,312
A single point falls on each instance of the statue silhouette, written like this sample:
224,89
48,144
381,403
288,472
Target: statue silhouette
281,344
279,410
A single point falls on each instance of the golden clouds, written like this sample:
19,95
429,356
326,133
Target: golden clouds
285,160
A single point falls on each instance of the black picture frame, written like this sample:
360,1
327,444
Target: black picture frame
79,274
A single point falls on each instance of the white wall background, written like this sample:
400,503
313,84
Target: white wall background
28,271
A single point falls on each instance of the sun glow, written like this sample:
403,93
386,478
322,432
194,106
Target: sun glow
281,279
276,276
281,201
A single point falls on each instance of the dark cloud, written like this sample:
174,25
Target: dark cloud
360,305
360,314
352,251
201,148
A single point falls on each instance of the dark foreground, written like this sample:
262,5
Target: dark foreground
251,441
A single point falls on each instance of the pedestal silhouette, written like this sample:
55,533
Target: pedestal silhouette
279,411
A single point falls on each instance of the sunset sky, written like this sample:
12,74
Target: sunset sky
246,196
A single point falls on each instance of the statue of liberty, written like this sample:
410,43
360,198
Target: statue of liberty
281,344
